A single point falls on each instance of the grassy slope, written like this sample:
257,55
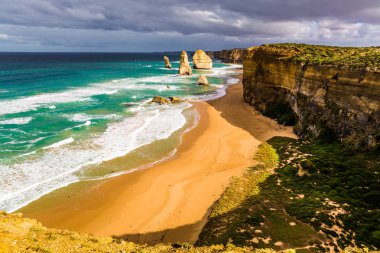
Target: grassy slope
280,209
24,235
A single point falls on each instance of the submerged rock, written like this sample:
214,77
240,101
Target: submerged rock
202,80
201,60
167,62
184,66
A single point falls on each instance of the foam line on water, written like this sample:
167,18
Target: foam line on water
16,121
60,143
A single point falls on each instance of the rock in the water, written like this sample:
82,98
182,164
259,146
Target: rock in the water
184,66
201,60
160,100
167,62
202,80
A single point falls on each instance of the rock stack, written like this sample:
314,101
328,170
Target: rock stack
184,66
201,60
202,80
167,62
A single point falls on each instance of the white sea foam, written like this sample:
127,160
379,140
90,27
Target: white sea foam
52,107
83,117
60,143
24,182
85,93
16,121
158,83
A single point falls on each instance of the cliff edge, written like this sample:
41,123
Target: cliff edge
234,56
324,91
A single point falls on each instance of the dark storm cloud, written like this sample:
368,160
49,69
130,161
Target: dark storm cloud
236,23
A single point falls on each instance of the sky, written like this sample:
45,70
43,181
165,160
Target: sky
168,25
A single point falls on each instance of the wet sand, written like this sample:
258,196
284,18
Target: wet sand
170,202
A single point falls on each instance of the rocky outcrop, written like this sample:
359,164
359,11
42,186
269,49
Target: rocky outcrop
184,66
170,100
201,60
202,80
235,56
167,62
325,91
160,100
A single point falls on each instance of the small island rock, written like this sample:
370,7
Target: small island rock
202,80
184,66
201,60
167,62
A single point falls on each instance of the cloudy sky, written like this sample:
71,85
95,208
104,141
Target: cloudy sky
169,25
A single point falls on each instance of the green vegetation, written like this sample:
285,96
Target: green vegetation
345,57
22,235
319,196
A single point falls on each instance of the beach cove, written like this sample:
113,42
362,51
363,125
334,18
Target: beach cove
169,201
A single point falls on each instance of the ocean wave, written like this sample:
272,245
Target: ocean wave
57,166
83,117
16,121
82,94
26,181
60,143
158,83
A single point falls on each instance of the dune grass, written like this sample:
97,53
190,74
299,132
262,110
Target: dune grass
307,196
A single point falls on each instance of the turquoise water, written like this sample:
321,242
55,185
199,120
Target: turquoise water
63,114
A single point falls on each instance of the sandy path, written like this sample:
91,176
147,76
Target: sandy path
170,201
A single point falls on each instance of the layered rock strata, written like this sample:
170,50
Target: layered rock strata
326,91
201,60
235,56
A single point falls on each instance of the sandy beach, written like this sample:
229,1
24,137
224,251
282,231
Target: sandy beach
170,202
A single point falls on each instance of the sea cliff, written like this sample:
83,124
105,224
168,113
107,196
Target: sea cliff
325,91
235,56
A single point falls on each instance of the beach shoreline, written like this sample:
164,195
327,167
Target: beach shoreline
170,201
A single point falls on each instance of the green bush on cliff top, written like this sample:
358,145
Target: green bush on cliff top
345,57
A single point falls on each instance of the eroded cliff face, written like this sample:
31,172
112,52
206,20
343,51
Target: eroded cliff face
235,56
336,96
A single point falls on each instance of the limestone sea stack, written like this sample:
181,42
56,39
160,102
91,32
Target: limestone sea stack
202,80
201,60
167,62
184,66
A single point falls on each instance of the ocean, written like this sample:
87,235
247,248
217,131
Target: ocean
64,116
